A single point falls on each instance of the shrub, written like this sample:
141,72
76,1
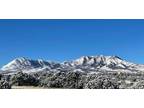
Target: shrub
23,79
4,84
0,76
101,82
62,80
138,85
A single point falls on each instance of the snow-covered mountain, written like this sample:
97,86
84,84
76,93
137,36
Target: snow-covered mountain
83,64
24,64
113,62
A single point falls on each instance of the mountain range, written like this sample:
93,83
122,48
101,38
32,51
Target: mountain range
86,64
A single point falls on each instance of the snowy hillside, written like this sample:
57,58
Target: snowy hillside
83,64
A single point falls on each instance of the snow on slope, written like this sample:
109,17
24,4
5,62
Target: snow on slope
112,62
89,63
22,63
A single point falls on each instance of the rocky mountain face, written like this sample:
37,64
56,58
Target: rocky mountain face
24,64
83,64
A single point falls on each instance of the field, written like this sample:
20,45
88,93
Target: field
26,87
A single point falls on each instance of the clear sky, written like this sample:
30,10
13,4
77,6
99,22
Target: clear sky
61,40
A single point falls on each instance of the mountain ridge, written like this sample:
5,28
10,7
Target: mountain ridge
101,63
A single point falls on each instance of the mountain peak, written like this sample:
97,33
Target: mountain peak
102,61
116,57
21,59
84,62
99,58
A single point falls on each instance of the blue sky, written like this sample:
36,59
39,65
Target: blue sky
61,40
